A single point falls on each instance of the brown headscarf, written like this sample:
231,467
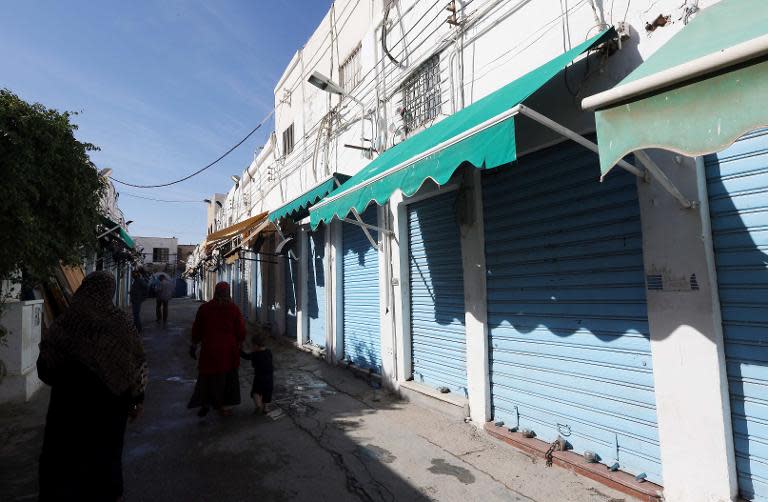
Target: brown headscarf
98,335
221,292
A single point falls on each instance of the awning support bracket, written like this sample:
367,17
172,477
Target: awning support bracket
365,228
574,136
650,166
654,170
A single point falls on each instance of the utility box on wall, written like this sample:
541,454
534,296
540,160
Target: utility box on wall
18,353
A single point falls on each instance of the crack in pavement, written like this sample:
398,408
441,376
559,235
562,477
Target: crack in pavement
353,485
526,497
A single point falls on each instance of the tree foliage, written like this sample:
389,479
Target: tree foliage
49,190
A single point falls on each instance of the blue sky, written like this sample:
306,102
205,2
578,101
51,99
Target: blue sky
163,87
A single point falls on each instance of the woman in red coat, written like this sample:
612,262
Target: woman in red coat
220,329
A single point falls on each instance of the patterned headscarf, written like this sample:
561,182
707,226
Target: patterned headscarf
98,335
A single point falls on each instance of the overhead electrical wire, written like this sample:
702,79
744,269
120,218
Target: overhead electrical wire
185,178
158,200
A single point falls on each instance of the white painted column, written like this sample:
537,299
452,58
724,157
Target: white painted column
389,300
335,297
472,231
692,400
302,335
402,314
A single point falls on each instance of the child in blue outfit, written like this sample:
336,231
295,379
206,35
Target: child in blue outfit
261,360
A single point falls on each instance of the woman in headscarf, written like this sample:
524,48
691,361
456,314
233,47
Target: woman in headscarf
219,328
93,359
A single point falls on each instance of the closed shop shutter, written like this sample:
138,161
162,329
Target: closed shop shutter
316,287
243,293
437,294
360,266
257,287
291,295
737,184
567,318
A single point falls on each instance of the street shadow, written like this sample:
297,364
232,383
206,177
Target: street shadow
736,181
317,444
360,290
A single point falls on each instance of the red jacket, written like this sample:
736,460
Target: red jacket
221,329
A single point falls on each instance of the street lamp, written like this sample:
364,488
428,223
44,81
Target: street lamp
326,84
235,178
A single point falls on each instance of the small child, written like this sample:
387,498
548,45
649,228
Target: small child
261,360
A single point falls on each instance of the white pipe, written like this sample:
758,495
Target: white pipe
729,56
260,159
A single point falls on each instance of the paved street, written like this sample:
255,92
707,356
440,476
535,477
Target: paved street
333,436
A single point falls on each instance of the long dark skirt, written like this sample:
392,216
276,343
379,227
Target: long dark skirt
82,450
216,391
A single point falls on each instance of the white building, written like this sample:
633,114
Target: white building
495,272
158,253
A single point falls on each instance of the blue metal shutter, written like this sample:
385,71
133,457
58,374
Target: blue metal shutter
737,183
567,318
243,293
258,298
362,333
437,294
316,287
291,294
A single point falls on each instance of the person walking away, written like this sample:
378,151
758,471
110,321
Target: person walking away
138,293
94,361
165,291
219,330
263,382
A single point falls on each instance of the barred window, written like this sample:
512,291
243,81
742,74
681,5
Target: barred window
288,140
160,255
421,94
350,70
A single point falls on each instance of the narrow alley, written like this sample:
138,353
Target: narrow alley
331,436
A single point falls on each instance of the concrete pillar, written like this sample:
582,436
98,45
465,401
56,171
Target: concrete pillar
302,335
401,301
472,231
335,298
19,350
692,401
389,302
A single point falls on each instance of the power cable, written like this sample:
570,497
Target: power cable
158,200
258,126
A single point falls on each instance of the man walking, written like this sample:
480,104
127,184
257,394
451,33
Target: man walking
165,291
138,293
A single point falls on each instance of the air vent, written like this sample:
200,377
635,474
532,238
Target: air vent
654,282
694,283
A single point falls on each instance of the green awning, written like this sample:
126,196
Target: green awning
120,232
482,134
298,208
697,94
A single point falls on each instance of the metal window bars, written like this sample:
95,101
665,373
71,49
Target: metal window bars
421,95
350,70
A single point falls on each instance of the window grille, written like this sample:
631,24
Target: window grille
160,255
288,140
350,70
421,94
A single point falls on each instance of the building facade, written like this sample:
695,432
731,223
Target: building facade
519,282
